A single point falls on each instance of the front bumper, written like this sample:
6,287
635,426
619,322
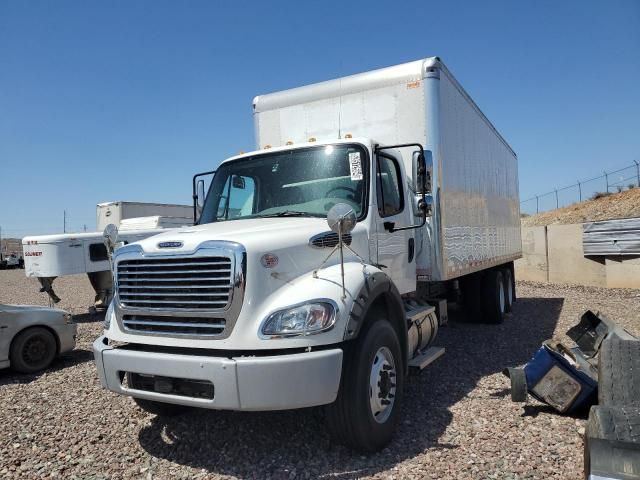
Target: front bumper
279,382
67,334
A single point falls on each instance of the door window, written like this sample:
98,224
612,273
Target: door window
237,199
389,188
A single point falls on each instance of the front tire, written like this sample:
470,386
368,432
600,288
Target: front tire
33,350
365,413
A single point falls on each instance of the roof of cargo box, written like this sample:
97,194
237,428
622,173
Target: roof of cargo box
374,79
345,85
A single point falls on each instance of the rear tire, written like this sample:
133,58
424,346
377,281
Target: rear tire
365,413
509,289
494,299
160,409
33,350
471,289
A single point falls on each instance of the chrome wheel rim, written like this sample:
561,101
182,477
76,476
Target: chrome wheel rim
382,385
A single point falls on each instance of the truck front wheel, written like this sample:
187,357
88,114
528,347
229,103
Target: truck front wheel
365,413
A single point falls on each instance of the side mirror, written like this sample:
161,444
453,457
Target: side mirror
110,237
341,218
238,182
424,205
200,197
423,169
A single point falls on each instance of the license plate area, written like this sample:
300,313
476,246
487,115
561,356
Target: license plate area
183,387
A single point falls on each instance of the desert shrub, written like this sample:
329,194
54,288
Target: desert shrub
598,195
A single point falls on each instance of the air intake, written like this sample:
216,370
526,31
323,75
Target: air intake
328,240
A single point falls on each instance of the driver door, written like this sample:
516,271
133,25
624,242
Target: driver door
396,250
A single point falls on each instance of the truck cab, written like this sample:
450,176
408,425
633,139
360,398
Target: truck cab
302,282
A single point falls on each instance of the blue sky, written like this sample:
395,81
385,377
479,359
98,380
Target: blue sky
125,100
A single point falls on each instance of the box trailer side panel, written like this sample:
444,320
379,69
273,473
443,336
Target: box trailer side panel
115,212
479,207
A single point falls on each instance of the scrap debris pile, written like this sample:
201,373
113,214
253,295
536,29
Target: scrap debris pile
601,371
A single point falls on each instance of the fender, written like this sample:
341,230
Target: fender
378,286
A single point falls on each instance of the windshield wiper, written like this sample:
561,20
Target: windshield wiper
288,213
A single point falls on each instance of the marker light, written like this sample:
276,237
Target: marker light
312,139
289,142
267,146
348,135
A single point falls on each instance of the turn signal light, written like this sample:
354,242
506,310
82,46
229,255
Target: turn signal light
348,135
267,146
312,139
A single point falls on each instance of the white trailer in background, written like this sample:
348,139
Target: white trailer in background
47,257
115,212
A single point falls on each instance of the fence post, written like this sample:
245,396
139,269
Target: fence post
580,189
537,205
637,171
606,179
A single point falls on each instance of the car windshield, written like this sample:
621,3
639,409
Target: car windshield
299,182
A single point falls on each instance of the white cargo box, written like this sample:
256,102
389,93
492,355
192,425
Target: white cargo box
115,212
476,218
157,221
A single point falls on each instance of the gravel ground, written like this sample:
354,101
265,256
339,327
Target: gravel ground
458,421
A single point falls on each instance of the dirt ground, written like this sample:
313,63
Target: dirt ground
458,421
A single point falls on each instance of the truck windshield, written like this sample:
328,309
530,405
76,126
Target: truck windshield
300,182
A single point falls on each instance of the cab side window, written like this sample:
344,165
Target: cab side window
389,186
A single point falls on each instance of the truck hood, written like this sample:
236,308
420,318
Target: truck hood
255,234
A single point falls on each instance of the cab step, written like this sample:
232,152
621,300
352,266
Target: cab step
420,362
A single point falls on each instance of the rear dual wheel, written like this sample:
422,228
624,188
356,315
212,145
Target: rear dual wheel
488,296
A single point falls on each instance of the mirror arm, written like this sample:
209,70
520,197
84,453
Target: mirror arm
194,195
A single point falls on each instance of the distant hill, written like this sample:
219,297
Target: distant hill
616,205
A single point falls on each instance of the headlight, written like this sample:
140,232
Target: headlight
108,315
305,319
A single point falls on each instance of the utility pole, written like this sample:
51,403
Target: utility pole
537,205
557,205
85,227
580,189
637,171
606,179
64,222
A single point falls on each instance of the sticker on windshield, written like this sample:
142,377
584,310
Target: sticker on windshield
355,166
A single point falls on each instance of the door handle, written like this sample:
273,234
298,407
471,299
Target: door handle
412,249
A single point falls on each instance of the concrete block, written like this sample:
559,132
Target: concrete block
533,265
623,272
566,260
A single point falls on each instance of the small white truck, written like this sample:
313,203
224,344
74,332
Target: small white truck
262,306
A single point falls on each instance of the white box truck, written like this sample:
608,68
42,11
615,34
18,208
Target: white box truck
254,309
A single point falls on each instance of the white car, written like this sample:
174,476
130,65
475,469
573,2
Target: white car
31,336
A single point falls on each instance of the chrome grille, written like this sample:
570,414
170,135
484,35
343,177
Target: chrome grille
188,283
201,326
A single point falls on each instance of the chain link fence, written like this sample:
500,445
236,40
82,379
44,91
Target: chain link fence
609,182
